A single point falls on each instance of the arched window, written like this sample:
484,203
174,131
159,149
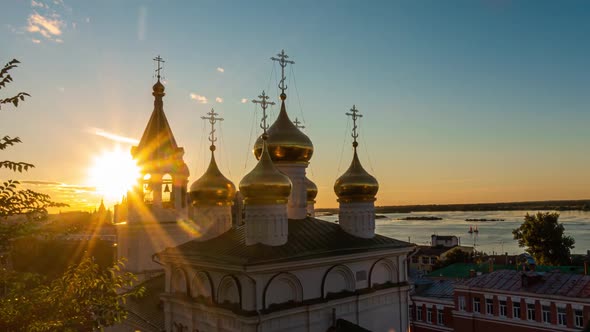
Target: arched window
283,288
338,279
178,282
167,191
148,192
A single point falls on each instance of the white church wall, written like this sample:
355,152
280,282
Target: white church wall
258,290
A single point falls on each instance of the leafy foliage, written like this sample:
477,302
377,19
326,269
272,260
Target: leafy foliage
543,238
85,298
5,78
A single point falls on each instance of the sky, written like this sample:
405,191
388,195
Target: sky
462,101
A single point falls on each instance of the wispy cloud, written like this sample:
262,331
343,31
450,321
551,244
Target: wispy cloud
48,27
221,70
244,100
112,136
38,4
200,99
36,41
41,183
219,99
59,186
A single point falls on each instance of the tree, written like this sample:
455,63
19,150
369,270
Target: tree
15,201
543,238
86,297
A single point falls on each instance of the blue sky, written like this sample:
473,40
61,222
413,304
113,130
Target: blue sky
463,101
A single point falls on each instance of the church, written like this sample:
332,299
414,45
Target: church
258,259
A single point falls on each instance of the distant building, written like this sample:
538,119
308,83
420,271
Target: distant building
447,241
427,257
504,300
522,301
432,306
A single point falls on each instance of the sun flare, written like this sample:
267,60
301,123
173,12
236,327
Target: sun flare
113,173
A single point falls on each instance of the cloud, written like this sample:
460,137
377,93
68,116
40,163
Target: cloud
244,100
47,27
36,41
112,136
219,99
59,186
200,99
41,183
61,89
88,20
38,4
221,70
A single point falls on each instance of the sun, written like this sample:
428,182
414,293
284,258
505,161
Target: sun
113,173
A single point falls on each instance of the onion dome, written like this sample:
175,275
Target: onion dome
212,188
265,184
286,143
356,185
158,89
311,190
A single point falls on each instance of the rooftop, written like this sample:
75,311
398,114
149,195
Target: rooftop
461,270
146,313
308,238
545,283
433,251
441,289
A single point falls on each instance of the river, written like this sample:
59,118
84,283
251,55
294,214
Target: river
493,236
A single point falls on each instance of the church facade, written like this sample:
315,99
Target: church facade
278,269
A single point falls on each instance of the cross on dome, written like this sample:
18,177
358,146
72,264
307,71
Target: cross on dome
354,113
212,118
282,60
159,61
298,124
264,104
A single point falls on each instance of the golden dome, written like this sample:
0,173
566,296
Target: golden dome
212,188
311,189
265,184
356,185
286,143
158,89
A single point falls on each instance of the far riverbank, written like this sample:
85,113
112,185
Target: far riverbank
560,205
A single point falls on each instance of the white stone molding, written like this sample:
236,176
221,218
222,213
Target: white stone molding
357,218
178,281
211,221
229,290
202,285
338,278
266,224
281,288
311,208
297,206
382,271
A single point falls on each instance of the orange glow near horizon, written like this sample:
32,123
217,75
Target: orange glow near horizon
113,173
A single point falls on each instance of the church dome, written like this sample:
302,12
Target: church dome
311,190
356,185
265,184
212,188
158,89
286,143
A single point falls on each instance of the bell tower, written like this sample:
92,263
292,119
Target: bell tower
157,206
